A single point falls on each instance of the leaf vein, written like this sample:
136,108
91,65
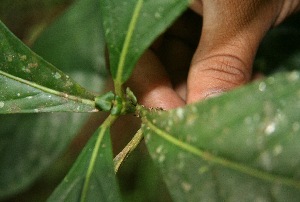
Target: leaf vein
254,172
48,90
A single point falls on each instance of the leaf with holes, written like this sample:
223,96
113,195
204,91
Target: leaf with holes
29,84
242,146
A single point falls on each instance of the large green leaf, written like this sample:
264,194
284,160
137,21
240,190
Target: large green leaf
130,27
242,146
75,43
23,136
92,176
30,84
29,143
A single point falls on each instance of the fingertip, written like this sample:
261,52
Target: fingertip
162,97
215,75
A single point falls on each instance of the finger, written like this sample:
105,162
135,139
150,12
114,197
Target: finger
151,84
231,33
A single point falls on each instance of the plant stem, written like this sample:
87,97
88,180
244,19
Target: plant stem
121,65
131,146
105,126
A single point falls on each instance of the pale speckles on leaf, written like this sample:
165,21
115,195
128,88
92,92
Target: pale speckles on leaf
293,76
107,31
2,104
194,109
9,58
277,150
186,186
170,123
203,169
32,65
159,149
262,86
22,57
157,15
57,75
180,113
191,138
296,126
161,158
266,160
270,128
191,119
161,154
147,137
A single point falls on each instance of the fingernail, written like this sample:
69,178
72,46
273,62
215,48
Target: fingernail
214,93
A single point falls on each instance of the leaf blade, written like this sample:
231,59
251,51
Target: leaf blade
154,16
24,69
92,175
251,141
25,157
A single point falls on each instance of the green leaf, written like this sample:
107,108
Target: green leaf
92,176
29,143
242,146
30,84
130,27
75,43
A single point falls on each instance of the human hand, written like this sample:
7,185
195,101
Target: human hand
231,33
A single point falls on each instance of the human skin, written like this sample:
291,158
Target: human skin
231,33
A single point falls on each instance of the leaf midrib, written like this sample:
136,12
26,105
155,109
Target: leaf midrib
262,175
49,90
121,65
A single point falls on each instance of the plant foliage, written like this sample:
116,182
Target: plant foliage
241,146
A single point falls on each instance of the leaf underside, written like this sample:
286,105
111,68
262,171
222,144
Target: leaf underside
231,149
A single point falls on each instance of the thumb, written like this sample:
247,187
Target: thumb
230,38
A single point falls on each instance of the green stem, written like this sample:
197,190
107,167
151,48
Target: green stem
105,126
118,80
221,161
131,146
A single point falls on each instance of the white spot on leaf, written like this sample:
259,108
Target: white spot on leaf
2,104
262,86
57,75
180,113
266,161
270,128
159,149
161,158
186,186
